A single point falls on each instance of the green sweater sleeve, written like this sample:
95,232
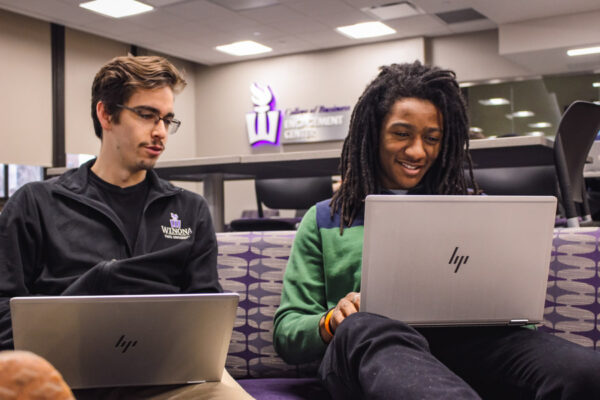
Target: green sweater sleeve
303,302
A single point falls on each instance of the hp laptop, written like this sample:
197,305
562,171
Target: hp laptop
457,260
100,341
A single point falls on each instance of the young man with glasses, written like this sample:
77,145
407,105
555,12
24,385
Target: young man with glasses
113,226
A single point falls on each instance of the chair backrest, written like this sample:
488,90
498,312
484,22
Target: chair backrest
292,193
577,130
525,181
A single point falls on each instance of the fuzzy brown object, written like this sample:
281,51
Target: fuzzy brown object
26,376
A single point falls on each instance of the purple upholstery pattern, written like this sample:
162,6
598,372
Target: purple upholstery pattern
252,264
572,298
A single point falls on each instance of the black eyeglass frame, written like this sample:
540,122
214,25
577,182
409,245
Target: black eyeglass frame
171,124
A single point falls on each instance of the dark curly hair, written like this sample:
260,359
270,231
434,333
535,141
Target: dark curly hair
360,155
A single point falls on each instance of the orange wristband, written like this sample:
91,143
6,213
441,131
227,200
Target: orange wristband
327,321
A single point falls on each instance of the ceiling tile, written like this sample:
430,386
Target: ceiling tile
472,26
325,39
419,25
197,10
437,6
272,14
154,19
197,26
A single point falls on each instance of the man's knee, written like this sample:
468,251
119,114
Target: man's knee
362,328
581,382
577,379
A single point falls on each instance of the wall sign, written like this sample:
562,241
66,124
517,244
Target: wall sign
264,124
319,124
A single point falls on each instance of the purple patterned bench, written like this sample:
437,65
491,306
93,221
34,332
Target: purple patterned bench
573,295
252,264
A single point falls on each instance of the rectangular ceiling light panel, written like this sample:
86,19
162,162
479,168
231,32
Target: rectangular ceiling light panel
244,48
366,30
116,8
583,51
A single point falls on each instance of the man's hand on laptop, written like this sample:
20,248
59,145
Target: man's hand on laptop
334,317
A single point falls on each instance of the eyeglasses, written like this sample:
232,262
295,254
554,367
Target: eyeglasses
152,115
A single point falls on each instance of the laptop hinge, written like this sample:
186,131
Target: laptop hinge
518,322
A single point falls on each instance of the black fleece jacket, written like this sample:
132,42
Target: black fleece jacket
58,238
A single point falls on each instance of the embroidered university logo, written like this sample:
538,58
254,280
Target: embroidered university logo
175,231
263,125
175,222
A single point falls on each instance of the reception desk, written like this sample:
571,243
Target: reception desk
213,171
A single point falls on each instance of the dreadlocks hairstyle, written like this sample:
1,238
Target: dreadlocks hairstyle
360,154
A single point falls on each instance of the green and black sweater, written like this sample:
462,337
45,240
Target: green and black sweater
323,267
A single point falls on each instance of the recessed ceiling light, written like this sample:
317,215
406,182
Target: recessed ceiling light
117,8
520,114
466,84
244,48
535,133
494,101
583,51
596,84
365,30
476,129
540,125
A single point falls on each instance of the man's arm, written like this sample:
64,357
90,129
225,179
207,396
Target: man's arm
19,250
201,265
303,302
183,268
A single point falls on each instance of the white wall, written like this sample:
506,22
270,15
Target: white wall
26,82
541,44
334,77
473,56
82,62
578,30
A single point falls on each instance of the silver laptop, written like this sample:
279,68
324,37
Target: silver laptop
457,260
100,341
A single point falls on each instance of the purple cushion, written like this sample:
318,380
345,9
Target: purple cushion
285,388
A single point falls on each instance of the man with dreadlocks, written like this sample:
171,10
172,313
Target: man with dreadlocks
408,134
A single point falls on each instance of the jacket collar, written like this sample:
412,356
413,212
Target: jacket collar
76,180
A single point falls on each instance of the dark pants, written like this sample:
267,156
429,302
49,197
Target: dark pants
373,357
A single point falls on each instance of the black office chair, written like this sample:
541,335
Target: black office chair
525,181
284,194
576,133
539,180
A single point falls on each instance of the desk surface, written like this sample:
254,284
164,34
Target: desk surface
486,153
272,165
